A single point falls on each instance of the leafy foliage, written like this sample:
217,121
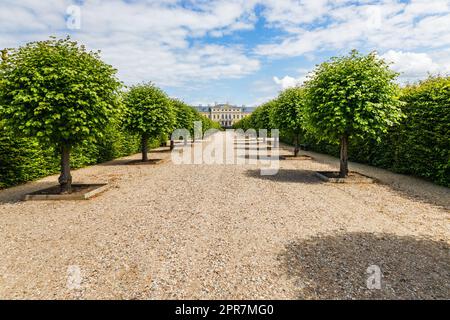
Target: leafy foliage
25,158
58,92
148,111
207,123
352,95
245,123
288,110
185,115
22,159
261,116
418,145
423,138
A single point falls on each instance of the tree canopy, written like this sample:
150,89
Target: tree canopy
288,109
261,115
287,113
57,91
148,111
353,95
185,115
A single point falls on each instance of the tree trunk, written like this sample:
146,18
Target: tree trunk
296,148
343,172
144,146
65,179
172,144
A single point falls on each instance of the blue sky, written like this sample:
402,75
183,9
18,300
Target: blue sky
237,51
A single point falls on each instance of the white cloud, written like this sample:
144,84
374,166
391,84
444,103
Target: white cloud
410,65
288,13
344,24
163,40
151,40
289,82
286,82
145,40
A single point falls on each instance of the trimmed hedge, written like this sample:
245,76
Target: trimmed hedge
419,145
24,159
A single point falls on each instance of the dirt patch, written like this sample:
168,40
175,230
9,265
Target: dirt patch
298,157
161,150
353,177
79,192
260,157
148,162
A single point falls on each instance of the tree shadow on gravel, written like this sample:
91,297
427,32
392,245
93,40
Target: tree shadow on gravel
286,175
117,162
165,150
335,267
130,162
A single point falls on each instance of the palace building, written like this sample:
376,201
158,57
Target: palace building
225,114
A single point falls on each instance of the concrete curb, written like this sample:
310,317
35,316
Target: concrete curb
360,178
96,189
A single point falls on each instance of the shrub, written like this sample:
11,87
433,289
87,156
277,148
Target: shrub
351,96
287,113
24,158
148,113
59,93
423,138
418,145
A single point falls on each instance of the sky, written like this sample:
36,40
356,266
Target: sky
238,51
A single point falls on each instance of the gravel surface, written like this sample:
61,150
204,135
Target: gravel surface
170,231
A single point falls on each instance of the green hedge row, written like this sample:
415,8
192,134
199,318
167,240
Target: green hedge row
24,159
419,145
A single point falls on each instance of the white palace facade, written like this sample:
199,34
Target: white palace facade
225,114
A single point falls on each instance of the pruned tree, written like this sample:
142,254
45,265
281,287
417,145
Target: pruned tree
351,96
185,117
245,123
207,123
261,115
148,112
287,113
59,92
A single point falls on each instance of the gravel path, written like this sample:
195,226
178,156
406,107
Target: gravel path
223,232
